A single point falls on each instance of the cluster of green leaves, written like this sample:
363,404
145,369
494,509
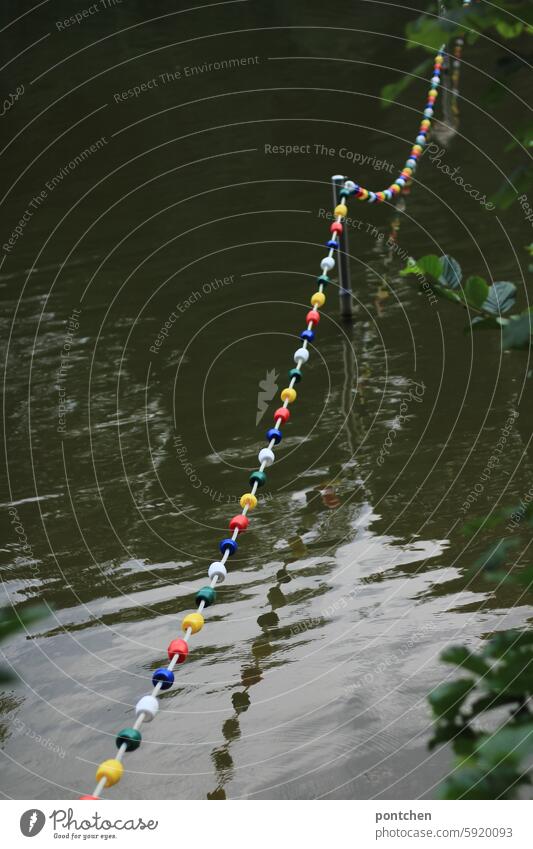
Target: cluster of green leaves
501,19
490,763
508,19
12,623
492,562
488,304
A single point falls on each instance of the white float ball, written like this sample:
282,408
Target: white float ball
147,705
266,456
301,354
217,568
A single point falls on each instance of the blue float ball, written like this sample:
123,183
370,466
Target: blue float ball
274,433
228,544
332,243
307,334
163,676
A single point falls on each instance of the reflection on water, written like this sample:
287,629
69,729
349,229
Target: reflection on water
129,440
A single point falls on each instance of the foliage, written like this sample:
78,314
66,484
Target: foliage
12,623
489,303
496,690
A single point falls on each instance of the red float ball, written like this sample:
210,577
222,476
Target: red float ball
336,227
283,414
240,522
179,647
313,315
89,797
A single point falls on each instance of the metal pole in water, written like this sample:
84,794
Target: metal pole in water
345,289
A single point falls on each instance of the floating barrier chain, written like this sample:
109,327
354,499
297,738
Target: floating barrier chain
109,772
417,149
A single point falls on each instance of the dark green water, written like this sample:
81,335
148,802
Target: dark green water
124,459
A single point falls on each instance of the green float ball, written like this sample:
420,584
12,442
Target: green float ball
131,737
260,477
207,595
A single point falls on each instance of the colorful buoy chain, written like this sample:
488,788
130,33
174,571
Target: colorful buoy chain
129,739
110,771
406,174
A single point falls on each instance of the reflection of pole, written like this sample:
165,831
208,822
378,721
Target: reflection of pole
345,289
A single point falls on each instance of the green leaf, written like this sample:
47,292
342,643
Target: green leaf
507,745
490,702
501,298
450,273
503,642
480,781
11,622
496,555
517,333
428,32
524,138
6,677
391,92
476,292
486,522
460,736
446,699
509,30
429,265
461,656
447,293
513,676
480,322
518,183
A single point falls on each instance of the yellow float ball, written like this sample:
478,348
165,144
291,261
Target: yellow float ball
425,123
288,394
112,770
318,299
341,209
363,194
248,499
194,621
433,92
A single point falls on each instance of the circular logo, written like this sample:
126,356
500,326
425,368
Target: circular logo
32,822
